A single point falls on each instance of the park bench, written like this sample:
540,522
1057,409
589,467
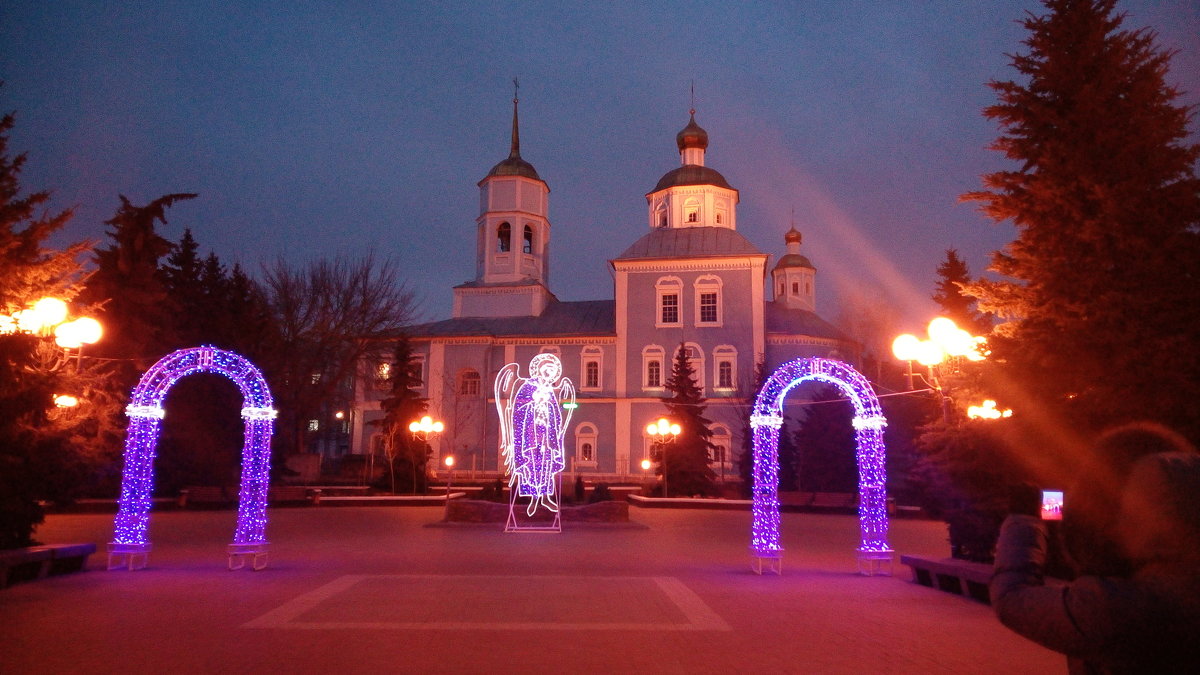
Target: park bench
961,577
834,500
287,494
37,562
204,496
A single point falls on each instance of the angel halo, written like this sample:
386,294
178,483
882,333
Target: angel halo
534,414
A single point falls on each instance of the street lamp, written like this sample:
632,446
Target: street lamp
449,461
663,431
987,411
946,341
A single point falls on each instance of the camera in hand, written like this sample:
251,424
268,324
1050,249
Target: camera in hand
1052,504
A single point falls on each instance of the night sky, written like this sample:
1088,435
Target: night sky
317,128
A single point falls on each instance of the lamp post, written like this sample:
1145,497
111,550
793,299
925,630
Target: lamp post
421,429
48,317
946,341
449,482
663,431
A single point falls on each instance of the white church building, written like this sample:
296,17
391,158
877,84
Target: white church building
691,280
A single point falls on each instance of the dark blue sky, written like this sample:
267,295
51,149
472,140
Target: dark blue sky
316,128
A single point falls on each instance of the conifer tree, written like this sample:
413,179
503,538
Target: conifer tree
401,407
954,275
685,464
1101,305
34,451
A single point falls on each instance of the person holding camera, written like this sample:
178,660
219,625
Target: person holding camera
1131,532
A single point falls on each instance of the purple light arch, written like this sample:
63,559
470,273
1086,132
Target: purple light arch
130,543
766,420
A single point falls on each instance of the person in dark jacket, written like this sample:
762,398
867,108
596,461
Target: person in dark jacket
1132,528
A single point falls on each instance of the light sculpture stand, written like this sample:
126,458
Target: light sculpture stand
534,414
130,546
765,422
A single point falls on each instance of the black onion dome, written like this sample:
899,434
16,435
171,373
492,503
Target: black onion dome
793,260
691,174
692,136
514,166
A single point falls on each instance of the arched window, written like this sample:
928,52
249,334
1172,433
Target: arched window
725,367
504,238
585,444
691,211
527,245
795,288
468,383
719,455
695,356
652,367
590,360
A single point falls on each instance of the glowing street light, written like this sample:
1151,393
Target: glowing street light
66,401
449,462
664,431
987,411
427,425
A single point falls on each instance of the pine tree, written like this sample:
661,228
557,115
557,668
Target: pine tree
685,463
35,452
953,276
401,407
131,287
1101,308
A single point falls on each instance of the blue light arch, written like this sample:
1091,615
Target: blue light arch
130,543
869,422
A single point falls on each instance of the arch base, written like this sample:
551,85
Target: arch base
129,556
255,554
871,563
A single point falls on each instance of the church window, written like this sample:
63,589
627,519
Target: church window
695,356
670,308
668,291
468,383
795,288
722,441
708,301
708,307
527,245
585,444
692,216
591,358
504,238
691,211
654,374
719,214
725,358
652,367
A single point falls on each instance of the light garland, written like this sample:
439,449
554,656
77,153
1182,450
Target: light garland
869,422
146,414
532,423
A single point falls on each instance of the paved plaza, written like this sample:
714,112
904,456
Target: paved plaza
374,590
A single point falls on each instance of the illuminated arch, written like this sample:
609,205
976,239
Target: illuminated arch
766,420
145,421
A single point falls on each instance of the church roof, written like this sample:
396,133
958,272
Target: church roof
779,319
690,242
560,319
794,260
514,166
691,174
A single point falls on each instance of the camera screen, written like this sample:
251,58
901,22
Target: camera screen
1052,503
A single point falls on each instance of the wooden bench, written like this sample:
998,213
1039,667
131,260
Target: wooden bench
961,577
287,494
205,496
834,500
37,562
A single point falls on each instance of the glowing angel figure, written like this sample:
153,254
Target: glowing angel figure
532,423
